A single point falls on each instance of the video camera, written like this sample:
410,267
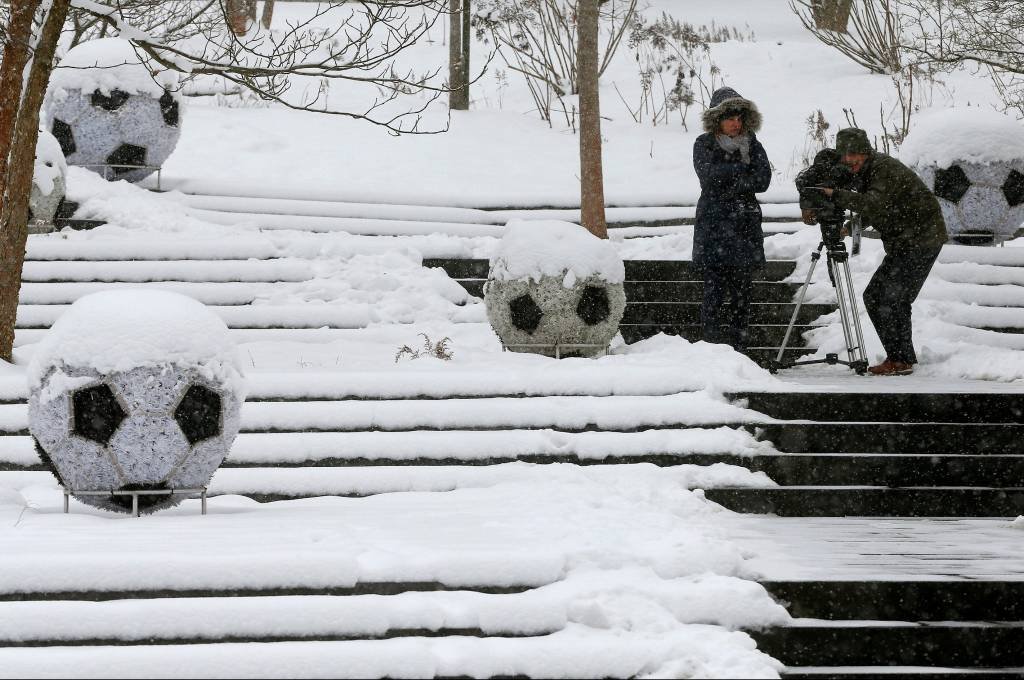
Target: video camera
826,171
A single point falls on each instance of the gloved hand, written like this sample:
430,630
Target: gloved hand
808,216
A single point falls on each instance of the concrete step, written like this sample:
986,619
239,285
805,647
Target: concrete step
811,642
908,407
760,335
412,448
900,673
236,618
636,270
887,469
397,474
693,291
894,437
853,501
689,313
948,599
195,270
679,291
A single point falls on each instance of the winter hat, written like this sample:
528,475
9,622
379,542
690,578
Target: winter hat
852,140
726,100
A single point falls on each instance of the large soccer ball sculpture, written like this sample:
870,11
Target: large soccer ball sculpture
107,112
555,289
134,390
973,160
48,181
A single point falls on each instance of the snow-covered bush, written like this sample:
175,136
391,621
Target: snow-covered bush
973,159
48,180
555,289
134,390
105,109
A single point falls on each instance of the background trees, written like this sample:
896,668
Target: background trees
201,39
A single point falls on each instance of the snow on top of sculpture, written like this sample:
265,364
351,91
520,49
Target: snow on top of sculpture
106,107
531,249
973,159
48,179
555,289
135,390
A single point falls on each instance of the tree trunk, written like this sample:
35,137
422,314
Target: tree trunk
466,32
268,13
591,176
16,55
458,98
240,14
18,182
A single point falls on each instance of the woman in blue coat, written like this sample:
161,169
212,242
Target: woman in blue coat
727,241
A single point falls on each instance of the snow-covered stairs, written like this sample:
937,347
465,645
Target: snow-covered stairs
889,454
379,219
935,602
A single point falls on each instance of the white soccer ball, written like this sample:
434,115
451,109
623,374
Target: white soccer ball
979,197
973,160
555,289
109,114
134,390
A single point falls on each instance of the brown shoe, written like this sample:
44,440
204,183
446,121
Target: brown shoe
889,367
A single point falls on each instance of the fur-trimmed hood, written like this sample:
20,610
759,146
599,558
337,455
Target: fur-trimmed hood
727,99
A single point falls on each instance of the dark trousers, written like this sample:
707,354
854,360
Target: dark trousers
889,295
726,304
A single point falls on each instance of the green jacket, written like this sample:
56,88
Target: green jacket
898,204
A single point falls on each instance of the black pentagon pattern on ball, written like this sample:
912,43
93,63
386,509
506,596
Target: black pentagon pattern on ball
526,315
593,306
1013,188
126,155
111,102
65,137
951,183
198,414
96,413
169,109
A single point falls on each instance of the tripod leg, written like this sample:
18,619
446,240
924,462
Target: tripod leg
848,313
843,303
815,256
862,356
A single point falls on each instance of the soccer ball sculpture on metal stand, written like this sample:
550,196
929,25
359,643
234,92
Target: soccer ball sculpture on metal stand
135,399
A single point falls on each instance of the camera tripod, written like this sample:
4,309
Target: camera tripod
838,262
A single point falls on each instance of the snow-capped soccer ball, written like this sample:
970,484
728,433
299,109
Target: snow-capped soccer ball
535,316
973,160
979,198
156,412
48,180
555,289
108,114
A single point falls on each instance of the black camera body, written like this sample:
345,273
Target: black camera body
826,171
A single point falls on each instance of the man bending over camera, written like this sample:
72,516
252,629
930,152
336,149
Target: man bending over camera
891,198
